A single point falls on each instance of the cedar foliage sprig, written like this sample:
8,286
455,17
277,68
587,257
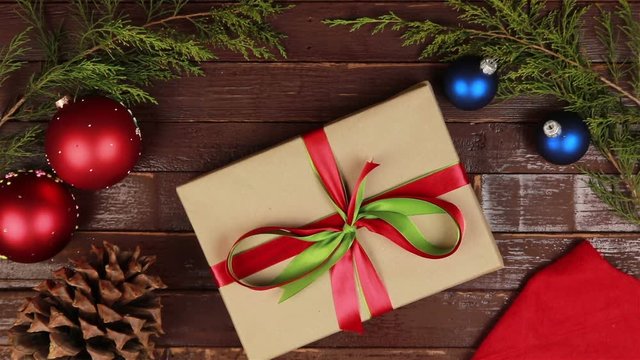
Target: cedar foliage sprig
111,53
18,146
540,53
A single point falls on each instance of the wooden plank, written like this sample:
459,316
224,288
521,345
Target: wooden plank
512,203
483,148
180,261
322,354
236,353
310,40
525,254
141,202
301,92
546,203
182,266
199,318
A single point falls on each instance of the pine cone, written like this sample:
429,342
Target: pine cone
101,309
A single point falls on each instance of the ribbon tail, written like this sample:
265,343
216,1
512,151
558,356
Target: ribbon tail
375,293
345,296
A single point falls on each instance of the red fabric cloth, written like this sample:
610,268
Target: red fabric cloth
580,307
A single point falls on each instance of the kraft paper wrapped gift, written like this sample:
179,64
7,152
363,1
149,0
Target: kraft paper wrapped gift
407,136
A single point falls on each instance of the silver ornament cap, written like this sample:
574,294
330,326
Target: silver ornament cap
552,128
489,66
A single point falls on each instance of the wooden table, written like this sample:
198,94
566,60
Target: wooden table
536,210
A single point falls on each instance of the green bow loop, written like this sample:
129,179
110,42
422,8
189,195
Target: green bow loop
330,246
396,212
314,262
405,206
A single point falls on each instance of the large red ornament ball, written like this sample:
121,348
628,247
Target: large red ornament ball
37,216
93,143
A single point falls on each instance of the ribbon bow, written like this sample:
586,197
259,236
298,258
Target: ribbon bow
331,244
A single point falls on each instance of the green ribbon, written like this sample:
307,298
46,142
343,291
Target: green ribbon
330,246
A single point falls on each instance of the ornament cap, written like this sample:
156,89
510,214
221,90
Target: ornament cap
552,128
489,66
63,101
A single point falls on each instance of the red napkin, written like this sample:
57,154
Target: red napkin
579,307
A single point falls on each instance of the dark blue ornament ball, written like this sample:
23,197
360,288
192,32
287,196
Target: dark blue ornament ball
563,138
470,83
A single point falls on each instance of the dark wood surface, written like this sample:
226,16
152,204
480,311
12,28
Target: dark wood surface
537,210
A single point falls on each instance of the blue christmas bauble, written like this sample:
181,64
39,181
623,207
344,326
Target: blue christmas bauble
470,83
563,138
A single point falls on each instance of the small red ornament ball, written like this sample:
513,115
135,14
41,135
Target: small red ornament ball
93,143
37,216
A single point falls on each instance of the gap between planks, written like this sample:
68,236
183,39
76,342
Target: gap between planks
311,353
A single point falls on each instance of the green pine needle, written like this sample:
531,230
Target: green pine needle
10,56
18,146
540,53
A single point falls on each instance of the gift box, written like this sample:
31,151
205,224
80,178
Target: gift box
368,214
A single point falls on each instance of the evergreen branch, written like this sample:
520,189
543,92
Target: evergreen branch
609,38
116,57
158,8
10,113
18,146
33,14
558,56
177,17
626,178
631,29
541,54
421,31
615,194
10,55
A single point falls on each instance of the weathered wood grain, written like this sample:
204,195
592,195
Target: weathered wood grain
483,148
236,353
546,203
300,92
524,254
182,266
322,354
313,92
512,203
180,261
199,318
310,40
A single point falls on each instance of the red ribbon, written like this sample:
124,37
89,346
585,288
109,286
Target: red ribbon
343,279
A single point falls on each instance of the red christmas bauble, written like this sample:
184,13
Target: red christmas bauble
93,143
37,216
